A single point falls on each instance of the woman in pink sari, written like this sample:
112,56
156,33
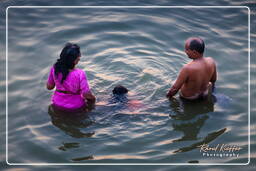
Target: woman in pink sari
72,91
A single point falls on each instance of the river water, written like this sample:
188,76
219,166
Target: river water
142,49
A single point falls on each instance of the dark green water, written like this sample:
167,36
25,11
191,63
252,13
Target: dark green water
141,48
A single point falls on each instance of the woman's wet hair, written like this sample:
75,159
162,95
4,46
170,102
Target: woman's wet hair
66,61
197,44
120,90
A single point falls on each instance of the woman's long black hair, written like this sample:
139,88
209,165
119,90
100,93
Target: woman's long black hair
66,61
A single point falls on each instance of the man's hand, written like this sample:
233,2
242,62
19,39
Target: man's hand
182,77
172,92
168,95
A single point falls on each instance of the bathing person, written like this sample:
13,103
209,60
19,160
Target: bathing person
72,89
119,94
197,78
120,90
121,99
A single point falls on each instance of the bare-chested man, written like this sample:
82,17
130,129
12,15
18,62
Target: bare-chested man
196,78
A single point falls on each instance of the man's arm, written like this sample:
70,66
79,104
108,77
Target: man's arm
183,76
214,77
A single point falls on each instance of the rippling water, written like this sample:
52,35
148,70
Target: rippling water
141,48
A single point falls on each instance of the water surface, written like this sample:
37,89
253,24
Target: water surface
142,49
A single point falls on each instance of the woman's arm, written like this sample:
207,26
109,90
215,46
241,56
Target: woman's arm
50,82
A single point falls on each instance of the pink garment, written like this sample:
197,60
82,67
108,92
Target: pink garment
76,82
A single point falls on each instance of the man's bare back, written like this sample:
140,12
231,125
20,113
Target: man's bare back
195,77
199,73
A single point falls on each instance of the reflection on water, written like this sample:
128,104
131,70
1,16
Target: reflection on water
67,146
190,128
186,109
70,123
82,158
190,117
210,137
73,124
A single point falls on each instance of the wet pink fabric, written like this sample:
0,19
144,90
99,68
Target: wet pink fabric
76,82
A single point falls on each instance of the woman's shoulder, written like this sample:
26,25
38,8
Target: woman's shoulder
78,70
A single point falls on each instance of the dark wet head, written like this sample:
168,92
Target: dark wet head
120,90
195,43
69,55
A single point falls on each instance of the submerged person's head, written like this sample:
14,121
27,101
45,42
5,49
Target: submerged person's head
69,57
119,94
194,47
120,90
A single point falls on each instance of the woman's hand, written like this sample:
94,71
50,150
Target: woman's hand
90,98
50,86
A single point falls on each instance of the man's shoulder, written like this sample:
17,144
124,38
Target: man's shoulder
210,59
190,66
187,68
